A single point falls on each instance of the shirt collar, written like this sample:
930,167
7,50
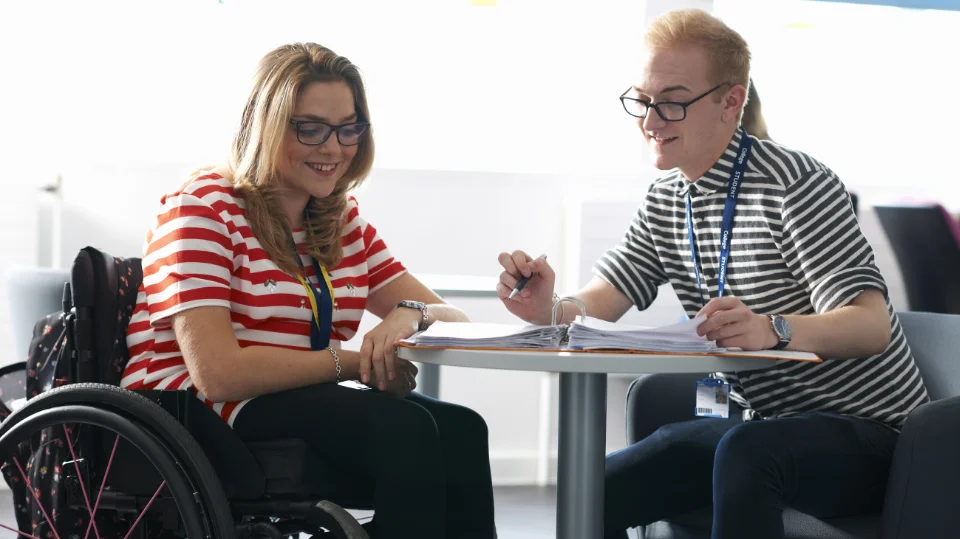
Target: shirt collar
717,177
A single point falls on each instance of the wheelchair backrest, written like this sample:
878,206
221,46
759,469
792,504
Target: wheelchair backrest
104,291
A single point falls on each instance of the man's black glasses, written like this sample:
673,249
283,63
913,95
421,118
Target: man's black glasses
670,111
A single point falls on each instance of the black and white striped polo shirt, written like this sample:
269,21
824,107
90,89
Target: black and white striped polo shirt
796,249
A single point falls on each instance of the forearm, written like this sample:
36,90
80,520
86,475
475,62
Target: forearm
443,312
601,300
261,370
860,329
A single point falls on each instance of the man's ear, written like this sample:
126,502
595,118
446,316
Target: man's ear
733,101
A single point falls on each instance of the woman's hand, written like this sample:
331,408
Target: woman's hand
403,383
378,364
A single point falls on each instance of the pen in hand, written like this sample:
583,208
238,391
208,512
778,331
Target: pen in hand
523,282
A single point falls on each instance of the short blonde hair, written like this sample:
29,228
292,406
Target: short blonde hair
727,50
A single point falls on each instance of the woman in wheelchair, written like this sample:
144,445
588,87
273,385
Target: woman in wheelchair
255,273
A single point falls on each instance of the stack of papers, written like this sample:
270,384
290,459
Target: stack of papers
593,334
474,335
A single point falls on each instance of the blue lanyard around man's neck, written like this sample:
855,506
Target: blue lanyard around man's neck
726,225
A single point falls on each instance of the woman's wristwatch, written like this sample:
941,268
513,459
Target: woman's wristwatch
422,307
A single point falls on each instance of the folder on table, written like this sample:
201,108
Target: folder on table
587,335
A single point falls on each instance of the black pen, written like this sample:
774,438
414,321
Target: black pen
523,282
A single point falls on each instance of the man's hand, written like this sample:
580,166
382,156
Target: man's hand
733,325
534,304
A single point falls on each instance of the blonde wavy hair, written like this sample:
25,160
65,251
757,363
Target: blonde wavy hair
727,50
281,75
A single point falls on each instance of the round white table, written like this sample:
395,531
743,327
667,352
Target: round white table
583,412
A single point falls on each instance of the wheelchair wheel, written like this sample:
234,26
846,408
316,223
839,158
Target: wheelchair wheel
96,458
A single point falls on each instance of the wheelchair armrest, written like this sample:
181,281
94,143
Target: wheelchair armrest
654,400
924,483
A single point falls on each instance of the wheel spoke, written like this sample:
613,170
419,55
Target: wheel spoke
26,481
103,483
154,497
83,487
18,531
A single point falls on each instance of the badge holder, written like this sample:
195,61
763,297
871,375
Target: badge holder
713,398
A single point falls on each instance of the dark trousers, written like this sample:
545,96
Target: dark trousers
822,464
423,465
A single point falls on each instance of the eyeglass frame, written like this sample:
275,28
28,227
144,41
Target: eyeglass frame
333,129
656,106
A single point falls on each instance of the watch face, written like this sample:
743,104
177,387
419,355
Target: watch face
782,327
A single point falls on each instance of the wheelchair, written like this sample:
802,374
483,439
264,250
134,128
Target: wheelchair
156,463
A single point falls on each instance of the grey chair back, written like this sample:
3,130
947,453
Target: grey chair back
926,242
935,342
32,293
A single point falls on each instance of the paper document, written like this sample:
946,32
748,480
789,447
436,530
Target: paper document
475,335
593,334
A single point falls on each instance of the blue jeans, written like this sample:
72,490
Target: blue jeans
822,464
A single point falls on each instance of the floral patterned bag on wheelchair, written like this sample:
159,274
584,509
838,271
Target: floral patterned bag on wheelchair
34,473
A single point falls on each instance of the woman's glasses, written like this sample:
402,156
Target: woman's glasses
314,133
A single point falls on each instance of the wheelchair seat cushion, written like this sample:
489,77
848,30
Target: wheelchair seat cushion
287,466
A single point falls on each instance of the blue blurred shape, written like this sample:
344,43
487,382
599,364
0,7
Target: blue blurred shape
914,4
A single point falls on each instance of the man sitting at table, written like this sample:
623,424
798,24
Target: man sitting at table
800,275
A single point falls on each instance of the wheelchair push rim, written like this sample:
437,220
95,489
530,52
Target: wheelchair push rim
73,420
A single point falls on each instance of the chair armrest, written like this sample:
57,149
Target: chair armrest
924,483
654,400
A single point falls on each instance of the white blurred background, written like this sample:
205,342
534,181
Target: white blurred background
497,125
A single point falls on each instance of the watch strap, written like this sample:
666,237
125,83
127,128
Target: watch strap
783,342
422,307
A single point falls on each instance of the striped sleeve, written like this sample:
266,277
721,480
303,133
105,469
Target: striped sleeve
822,242
633,267
188,261
382,266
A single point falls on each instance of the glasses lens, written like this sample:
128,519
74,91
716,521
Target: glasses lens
313,133
634,107
671,111
350,134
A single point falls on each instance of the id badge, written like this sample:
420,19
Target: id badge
713,398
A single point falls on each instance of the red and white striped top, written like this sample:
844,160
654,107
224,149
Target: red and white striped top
201,252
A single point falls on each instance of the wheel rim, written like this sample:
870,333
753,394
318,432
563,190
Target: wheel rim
175,483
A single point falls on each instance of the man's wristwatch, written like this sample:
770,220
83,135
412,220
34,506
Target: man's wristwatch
783,330
422,307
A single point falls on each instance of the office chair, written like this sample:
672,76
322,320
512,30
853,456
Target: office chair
926,243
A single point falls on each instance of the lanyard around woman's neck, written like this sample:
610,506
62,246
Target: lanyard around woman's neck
321,301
